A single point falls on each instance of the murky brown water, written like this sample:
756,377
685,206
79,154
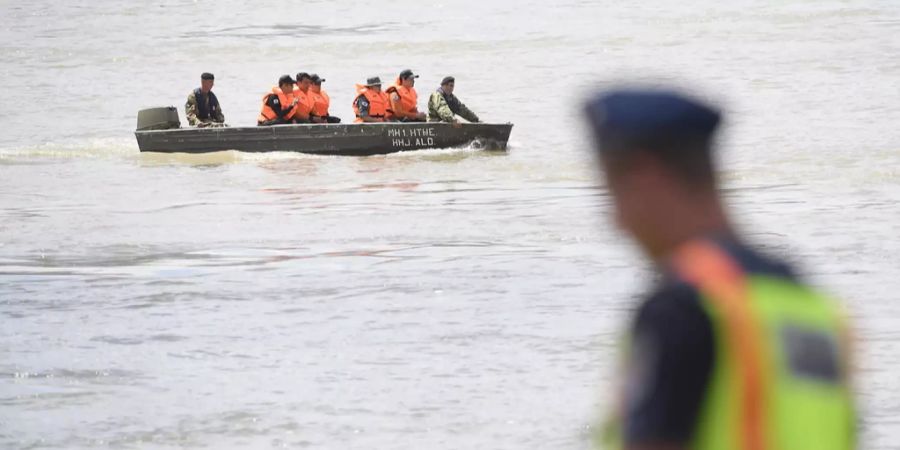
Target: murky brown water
439,299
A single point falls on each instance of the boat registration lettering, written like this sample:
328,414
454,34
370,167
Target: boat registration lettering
409,137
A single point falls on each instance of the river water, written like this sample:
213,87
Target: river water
435,299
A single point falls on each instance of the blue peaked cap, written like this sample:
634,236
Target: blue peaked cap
645,114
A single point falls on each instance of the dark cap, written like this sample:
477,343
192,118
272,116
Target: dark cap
407,74
207,76
303,76
315,79
448,79
285,79
634,115
373,81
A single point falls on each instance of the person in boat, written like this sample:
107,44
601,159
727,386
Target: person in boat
305,99
202,107
404,99
443,106
278,106
731,350
321,102
370,104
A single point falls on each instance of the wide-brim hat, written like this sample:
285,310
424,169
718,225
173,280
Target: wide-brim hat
373,81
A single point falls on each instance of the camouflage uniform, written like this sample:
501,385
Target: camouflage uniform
445,107
191,110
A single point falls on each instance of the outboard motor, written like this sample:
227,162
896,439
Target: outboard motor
164,118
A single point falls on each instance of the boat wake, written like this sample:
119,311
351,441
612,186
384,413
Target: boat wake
87,148
125,148
474,147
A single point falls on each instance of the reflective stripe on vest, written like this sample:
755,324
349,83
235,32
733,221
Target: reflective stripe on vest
378,103
266,113
704,265
780,375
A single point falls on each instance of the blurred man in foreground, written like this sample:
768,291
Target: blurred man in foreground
731,350
202,107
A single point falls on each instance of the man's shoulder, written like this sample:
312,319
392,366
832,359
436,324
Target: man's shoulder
671,355
754,262
673,298
192,96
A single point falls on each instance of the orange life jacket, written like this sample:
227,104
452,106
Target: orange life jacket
321,102
304,106
268,113
378,103
409,100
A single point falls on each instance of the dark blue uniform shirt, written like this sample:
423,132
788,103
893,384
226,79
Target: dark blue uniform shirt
672,356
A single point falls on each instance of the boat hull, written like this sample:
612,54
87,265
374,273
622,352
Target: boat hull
330,139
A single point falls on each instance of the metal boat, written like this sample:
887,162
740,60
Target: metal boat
323,139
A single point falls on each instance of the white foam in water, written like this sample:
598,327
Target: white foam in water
89,148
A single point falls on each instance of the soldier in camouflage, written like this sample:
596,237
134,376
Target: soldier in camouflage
202,107
443,106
